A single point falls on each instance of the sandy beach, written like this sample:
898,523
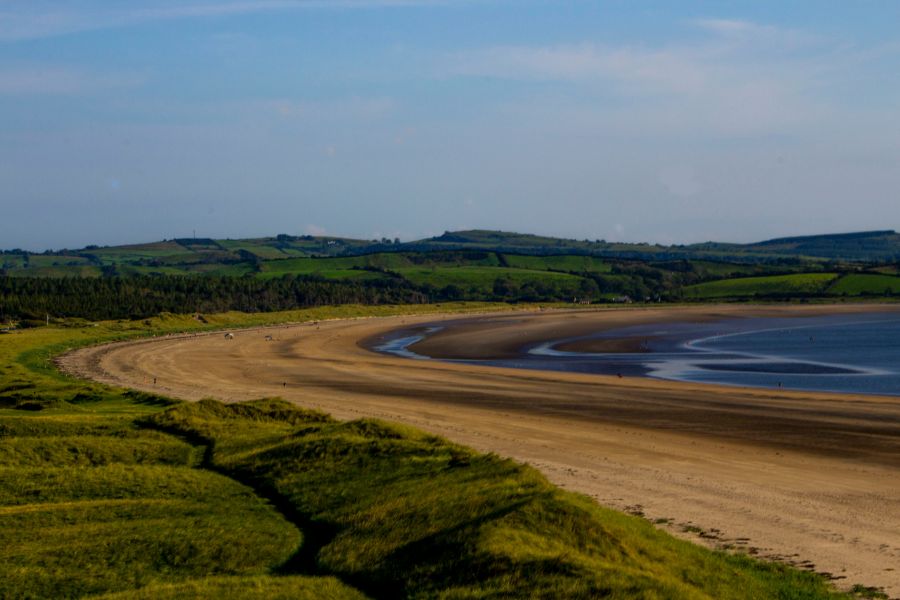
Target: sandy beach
810,478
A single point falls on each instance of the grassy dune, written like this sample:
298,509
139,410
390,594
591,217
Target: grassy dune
400,513
105,491
290,587
90,504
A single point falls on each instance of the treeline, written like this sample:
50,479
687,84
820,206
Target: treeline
27,298
30,300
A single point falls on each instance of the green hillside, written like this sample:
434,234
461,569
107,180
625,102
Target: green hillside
284,272
800,284
873,246
866,284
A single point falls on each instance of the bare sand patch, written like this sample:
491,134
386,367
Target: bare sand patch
811,478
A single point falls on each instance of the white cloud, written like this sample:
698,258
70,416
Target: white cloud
633,67
730,27
315,230
738,30
722,83
32,19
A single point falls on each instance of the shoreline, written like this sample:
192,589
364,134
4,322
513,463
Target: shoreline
655,343
782,474
508,336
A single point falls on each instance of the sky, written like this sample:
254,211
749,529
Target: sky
667,122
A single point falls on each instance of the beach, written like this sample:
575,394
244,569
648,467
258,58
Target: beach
809,478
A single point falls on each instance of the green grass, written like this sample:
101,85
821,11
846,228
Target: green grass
93,503
865,284
291,587
482,278
12,261
262,248
308,266
119,254
569,263
48,260
57,271
726,269
404,514
776,285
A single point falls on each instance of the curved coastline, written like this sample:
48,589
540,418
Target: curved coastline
804,477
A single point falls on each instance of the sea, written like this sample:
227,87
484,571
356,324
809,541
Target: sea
857,353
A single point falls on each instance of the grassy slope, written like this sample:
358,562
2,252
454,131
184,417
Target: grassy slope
90,503
403,514
285,587
482,278
857,284
800,283
96,496
570,263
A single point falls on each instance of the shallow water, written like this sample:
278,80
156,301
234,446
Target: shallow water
846,353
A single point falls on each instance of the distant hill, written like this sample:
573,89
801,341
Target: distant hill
242,256
867,246
284,271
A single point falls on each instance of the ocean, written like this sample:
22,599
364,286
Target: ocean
847,353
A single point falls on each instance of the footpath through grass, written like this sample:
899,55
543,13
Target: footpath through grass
119,494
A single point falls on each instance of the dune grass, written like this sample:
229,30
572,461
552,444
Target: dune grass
290,587
93,503
399,513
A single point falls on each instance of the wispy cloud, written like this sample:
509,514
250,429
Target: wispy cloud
722,81
738,29
653,69
730,27
33,19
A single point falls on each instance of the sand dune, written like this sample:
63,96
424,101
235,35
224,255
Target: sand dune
811,478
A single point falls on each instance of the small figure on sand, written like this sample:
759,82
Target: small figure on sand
154,381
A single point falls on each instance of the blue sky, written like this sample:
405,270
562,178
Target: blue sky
641,121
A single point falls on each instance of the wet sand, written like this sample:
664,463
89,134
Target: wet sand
811,478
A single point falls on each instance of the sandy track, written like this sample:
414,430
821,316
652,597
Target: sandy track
806,477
